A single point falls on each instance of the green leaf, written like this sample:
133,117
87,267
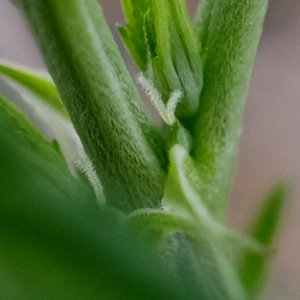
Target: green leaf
184,188
205,254
161,38
133,34
20,128
33,156
254,265
159,220
229,32
101,99
36,83
55,242
157,225
52,124
58,130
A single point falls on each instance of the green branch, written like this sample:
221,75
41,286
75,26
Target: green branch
101,99
229,32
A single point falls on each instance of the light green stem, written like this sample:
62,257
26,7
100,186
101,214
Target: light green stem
229,31
100,97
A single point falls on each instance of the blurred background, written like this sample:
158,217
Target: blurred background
270,144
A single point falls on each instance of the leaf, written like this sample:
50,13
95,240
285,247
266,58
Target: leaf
254,265
161,38
55,242
53,125
101,99
132,34
229,32
19,126
36,83
59,131
157,225
32,165
159,220
204,255
184,188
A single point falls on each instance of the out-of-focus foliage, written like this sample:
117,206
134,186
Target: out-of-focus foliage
36,83
253,265
157,229
56,242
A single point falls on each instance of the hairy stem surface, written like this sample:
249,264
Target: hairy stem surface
229,31
101,99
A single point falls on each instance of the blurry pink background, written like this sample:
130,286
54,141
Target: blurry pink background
270,144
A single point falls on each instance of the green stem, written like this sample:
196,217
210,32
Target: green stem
100,97
229,31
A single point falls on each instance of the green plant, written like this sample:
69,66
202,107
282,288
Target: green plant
164,189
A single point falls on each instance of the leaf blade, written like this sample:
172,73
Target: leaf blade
55,242
170,49
36,83
205,256
253,267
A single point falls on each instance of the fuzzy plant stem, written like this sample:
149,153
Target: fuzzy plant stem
101,98
229,32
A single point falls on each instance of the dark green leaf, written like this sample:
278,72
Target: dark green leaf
55,242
